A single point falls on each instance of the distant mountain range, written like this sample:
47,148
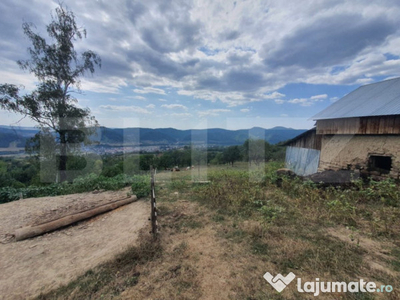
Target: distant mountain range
17,136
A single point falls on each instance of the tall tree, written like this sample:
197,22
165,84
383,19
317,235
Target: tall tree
231,154
58,67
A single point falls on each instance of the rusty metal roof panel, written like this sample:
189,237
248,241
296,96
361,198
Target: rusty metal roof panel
375,99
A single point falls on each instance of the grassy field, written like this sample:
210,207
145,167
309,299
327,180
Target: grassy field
223,227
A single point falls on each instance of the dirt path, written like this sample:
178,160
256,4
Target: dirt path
37,265
197,263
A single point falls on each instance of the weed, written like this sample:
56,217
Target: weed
232,191
177,184
259,247
164,210
185,223
271,212
385,191
218,218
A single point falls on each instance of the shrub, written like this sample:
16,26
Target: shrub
141,186
79,185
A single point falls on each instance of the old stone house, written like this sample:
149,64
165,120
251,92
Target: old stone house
361,131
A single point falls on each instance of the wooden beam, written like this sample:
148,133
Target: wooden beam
32,231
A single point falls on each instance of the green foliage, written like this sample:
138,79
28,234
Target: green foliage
177,184
131,164
114,170
270,171
3,168
147,160
17,172
385,191
217,159
141,186
79,185
374,202
57,67
231,154
270,211
231,190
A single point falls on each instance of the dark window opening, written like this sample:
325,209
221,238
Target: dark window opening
382,164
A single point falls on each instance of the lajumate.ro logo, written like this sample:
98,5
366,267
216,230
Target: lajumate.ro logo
280,282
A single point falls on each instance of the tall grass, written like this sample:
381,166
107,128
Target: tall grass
231,190
236,191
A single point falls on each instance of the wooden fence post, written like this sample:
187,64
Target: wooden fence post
153,206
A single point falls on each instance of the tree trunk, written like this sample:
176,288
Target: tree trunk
62,165
32,231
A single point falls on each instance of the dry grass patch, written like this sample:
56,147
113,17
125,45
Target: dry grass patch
110,279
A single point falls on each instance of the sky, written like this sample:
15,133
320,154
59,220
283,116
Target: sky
214,63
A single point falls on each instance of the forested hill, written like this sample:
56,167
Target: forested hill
162,136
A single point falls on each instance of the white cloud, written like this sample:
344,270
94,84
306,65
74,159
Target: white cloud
302,101
308,101
233,53
110,85
274,95
174,106
319,97
245,110
151,106
117,108
230,98
162,100
149,90
139,98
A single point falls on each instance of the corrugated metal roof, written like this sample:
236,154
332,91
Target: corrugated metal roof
375,99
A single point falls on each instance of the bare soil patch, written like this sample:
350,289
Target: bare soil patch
40,264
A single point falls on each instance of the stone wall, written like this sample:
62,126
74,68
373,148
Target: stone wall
353,151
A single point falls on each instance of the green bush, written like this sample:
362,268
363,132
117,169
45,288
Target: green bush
141,186
79,185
